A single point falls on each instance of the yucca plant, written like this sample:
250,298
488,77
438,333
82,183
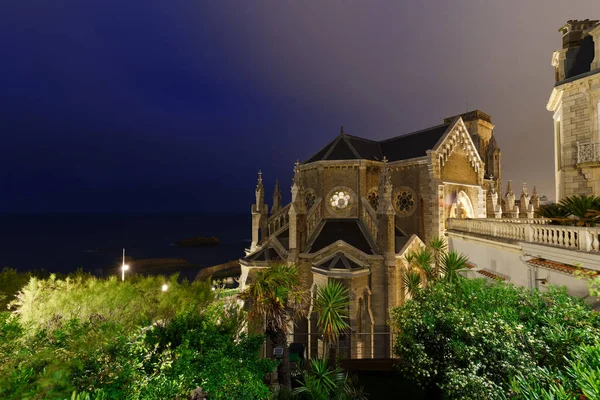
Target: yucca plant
323,383
438,246
412,281
451,263
331,305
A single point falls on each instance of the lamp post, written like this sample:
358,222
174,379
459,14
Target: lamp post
124,267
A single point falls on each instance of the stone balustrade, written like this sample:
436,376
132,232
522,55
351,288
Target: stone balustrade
369,217
532,231
278,220
313,218
588,152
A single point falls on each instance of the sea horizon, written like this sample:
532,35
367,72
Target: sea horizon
64,242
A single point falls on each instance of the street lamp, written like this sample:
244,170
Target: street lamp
165,287
124,267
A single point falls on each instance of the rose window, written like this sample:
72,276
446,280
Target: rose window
405,201
309,200
340,200
373,198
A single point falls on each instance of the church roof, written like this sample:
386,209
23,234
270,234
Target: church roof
412,145
347,230
339,261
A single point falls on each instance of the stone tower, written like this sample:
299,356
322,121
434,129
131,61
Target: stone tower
575,102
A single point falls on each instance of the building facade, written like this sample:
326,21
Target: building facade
575,103
533,252
359,206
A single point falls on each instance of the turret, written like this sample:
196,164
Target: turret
259,215
297,215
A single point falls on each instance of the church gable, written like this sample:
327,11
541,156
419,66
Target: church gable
459,160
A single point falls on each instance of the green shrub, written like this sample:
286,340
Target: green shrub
470,338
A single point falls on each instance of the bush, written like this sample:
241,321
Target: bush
100,339
471,337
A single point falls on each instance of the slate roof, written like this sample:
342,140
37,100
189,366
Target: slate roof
284,239
267,254
348,230
412,145
340,261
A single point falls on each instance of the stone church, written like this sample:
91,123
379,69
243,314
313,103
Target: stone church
359,206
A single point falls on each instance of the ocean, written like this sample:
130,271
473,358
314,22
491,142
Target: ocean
66,242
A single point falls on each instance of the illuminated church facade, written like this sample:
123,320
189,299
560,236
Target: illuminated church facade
359,206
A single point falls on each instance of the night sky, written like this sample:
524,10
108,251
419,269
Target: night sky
167,106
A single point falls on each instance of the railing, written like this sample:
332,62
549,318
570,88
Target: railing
375,345
369,217
313,218
532,231
279,219
588,152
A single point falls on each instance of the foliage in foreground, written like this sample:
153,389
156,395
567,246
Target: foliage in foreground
127,344
320,382
471,337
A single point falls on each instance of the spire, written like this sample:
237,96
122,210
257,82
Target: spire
277,198
259,185
260,193
341,129
297,186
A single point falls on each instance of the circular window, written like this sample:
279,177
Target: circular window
340,200
309,200
373,198
405,201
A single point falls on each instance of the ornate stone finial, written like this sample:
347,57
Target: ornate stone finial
535,199
509,188
385,190
524,189
259,185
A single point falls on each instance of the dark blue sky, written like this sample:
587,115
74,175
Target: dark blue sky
174,105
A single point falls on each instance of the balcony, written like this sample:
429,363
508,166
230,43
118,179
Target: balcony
588,153
535,231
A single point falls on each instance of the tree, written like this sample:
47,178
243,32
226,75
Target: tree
332,307
278,298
